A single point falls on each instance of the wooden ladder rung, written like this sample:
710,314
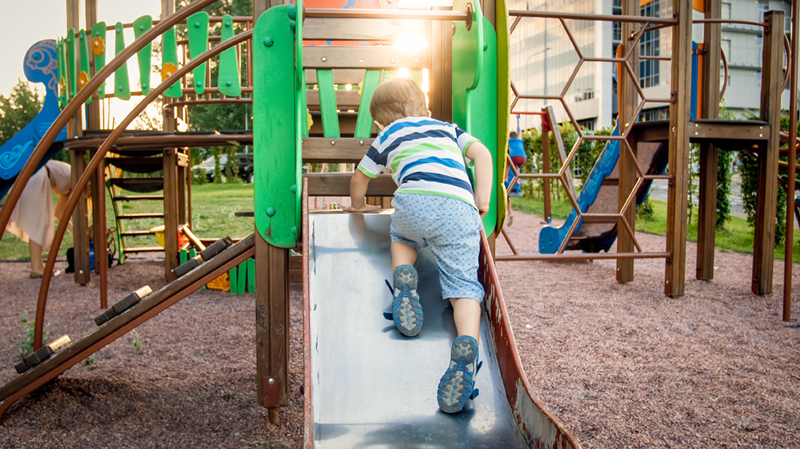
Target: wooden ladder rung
388,58
139,198
365,30
342,150
144,249
140,216
135,233
338,184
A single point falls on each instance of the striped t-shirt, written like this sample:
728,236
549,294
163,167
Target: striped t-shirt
426,156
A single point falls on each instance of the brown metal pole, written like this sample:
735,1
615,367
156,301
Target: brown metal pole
546,169
788,259
100,243
394,14
101,152
80,97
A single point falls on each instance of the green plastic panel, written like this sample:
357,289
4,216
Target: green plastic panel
327,104
140,26
229,78
482,109
251,275
241,283
198,43
364,121
275,128
122,85
182,256
63,95
467,62
234,279
503,107
98,47
71,62
169,62
295,13
84,75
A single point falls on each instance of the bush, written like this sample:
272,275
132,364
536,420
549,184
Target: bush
199,176
25,347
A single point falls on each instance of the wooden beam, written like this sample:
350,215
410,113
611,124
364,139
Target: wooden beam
322,150
388,58
80,222
338,184
170,211
767,190
678,190
546,169
345,99
272,326
342,76
709,155
364,30
628,106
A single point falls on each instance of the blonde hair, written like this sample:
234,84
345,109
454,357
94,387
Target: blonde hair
396,99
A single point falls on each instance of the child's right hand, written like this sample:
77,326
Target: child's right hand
366,208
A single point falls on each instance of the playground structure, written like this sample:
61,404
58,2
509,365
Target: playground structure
468,77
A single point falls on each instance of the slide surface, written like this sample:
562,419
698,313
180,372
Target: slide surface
372,387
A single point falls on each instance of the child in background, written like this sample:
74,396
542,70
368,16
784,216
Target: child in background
516,151
435,206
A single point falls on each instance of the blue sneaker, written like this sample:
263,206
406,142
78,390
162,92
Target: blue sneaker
406,309
456,385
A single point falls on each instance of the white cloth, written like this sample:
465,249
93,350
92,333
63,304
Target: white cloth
34,218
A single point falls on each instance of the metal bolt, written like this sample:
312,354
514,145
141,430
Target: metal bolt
361,142
271,381
333,142
324,59
268,41
392,60
696,133
673,130
696,125
760,135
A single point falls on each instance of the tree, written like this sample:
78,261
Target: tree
18,109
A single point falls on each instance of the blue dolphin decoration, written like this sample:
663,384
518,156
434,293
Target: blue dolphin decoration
41,66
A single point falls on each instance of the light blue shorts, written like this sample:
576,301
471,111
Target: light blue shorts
451,228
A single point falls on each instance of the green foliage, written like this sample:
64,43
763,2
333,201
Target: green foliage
749,170
199,176
694,176
217,151
137,343
25,346
645,210
18,109
88,361
231,168
724,188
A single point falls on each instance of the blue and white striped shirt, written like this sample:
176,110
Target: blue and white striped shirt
426,156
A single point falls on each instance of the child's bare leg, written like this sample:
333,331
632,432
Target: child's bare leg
467,315
406,309
37,266
403,254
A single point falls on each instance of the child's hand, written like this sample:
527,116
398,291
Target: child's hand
365,208
483,208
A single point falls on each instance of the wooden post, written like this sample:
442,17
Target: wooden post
677,203
170,210
100,242
766,193
272,326
75,126
709,156
628,105
546,169
789,247
441,74
181,181
80,222
169,122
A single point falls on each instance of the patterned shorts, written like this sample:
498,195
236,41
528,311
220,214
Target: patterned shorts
451,228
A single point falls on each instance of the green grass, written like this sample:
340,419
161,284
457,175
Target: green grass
736,235
213,208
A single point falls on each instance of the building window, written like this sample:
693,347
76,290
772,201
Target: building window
650,45
649,115
726,48
616,9
762,8
587,124
726,11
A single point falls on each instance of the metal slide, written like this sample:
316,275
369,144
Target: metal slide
120,325
369,386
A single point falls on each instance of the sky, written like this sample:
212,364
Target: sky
35,20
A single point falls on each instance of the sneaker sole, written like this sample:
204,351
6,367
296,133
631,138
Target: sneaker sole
406,309
456,386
